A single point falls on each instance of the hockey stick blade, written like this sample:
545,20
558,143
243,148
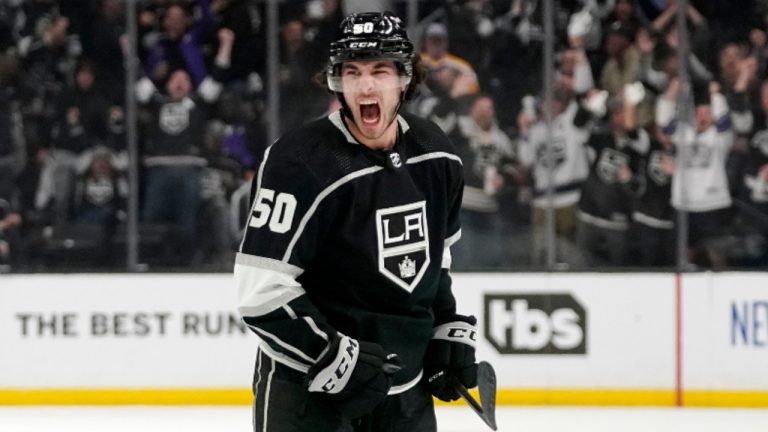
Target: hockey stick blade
486,385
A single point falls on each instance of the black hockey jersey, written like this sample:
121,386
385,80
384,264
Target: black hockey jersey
653,207
344,238
605,200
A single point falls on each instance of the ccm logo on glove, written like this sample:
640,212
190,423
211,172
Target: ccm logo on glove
456,332
335,376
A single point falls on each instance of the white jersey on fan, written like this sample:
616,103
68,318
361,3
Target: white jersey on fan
570,158
701,184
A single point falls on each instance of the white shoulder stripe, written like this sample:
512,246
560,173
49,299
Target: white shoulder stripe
258,187
433,155
327,191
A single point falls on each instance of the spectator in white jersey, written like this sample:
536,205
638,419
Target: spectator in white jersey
700,184
569,168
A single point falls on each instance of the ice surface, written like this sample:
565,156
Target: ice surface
450,419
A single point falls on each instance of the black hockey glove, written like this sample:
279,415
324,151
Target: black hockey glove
451,356
356,375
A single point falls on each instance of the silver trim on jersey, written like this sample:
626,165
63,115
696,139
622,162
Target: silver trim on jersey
403,124
290,312
335,118
407,386
268,264
285,345
263,290
450,241
320,197
253,204
266,395
434,155
602,223
315,328
447,260
282,358
652,222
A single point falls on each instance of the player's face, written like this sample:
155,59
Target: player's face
372,91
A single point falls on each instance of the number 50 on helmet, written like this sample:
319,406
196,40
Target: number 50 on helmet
371,36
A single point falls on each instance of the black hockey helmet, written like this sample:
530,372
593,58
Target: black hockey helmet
370,36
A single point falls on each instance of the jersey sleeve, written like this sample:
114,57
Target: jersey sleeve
444,307
284,229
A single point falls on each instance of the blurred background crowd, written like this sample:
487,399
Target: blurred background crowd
618,162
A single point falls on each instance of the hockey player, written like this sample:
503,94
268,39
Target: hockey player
343,271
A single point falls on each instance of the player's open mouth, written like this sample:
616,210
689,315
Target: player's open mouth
369,111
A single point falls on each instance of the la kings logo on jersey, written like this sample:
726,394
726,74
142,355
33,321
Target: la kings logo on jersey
174,116
609,165
403,242
559,153
655,170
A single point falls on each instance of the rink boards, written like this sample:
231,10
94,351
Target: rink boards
554,339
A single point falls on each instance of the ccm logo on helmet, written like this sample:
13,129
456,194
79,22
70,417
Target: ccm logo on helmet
363,44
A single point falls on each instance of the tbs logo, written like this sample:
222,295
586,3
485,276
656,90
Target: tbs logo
535,324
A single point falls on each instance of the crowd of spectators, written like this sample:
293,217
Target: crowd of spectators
619,160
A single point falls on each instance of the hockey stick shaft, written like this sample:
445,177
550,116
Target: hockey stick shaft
464,393
474,404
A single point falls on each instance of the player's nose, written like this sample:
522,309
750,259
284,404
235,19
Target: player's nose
366,83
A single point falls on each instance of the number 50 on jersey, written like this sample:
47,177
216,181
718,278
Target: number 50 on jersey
277,211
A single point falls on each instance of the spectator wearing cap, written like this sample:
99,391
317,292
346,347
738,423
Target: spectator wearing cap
623,58
623,66
451,82
625,12
455,74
